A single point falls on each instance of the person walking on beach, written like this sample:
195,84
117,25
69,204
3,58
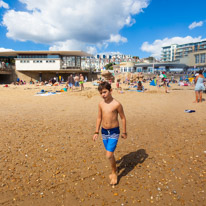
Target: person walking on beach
71,82
108,111
81,82
76,79
199,87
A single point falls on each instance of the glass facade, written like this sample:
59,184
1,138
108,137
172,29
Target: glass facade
37,56
78,61
71,61
197,59
139,69
202,58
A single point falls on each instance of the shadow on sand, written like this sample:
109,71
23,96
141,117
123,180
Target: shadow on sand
129,161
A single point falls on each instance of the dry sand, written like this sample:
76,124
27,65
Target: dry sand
47,155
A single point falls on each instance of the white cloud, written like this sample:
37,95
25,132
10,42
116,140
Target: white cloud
117,38
5,50
110,53
156,47
73,45
4,5
91,50
195,24
72,23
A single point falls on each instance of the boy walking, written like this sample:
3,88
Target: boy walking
108,111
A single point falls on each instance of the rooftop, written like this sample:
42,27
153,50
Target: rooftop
65,53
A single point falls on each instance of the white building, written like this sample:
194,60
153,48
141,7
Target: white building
98,61
42,65
176,52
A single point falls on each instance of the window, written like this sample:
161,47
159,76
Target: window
69,61
78,61
202,58
197,59
24,61
49,61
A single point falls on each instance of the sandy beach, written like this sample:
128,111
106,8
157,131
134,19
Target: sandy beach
47,155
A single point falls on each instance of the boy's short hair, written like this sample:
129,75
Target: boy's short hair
104,85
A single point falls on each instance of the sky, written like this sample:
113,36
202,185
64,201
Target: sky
132,27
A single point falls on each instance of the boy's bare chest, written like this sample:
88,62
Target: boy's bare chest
108,109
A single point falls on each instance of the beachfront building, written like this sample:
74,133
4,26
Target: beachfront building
43,65
98,62
127,67
168,53
197,60
159,67
175,52
95,63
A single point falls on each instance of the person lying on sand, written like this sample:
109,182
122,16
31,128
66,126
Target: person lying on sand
108,111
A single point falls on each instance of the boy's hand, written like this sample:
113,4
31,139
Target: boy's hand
95,137
124,135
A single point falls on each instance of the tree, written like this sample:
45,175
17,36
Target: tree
135,57
109,66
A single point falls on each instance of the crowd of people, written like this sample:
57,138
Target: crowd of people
73,81
162,80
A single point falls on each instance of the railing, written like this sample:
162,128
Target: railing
70,68
6,67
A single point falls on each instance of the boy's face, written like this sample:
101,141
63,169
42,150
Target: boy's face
105,93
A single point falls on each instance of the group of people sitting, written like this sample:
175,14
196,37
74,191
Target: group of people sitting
139,86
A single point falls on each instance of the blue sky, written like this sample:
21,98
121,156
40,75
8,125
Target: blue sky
135,27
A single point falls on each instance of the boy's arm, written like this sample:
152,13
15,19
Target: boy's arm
123,118
98,123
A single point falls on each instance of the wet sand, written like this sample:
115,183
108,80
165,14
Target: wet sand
47,155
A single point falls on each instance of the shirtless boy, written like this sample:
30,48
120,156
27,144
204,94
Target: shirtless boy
108,111
81,78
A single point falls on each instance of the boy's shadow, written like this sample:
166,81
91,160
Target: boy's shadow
129,161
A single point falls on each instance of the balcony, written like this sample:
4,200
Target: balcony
6,68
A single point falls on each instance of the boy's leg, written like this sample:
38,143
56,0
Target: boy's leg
113,176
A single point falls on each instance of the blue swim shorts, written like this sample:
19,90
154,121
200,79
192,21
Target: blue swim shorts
110,138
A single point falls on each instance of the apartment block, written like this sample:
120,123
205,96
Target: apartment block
175,52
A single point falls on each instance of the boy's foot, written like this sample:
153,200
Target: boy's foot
113,178
195,102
